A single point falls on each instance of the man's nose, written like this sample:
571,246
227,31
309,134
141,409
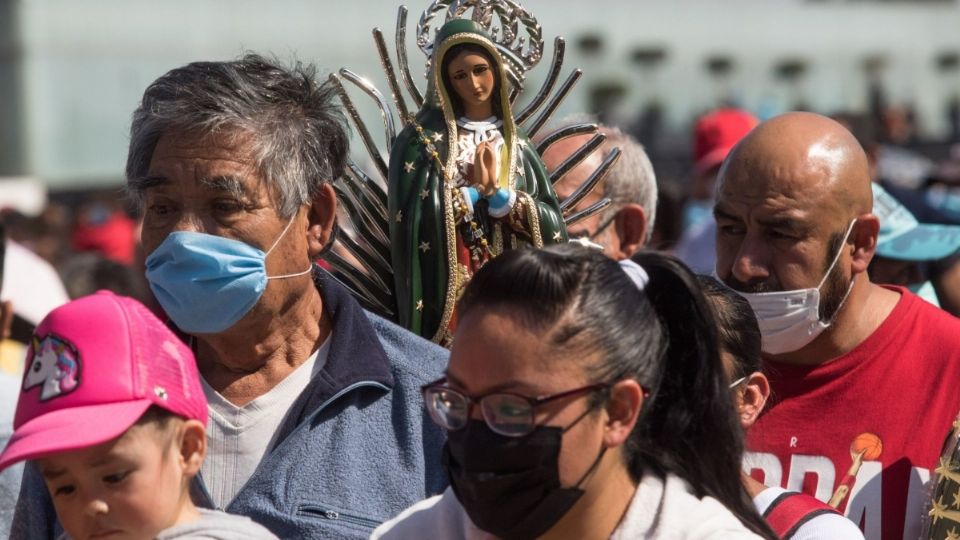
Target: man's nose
188,221
751,261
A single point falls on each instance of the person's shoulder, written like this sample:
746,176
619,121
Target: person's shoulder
825,524
909,305
828,526
714,521
217,525
440,516
409,353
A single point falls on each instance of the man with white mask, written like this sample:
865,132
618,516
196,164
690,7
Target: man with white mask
856,419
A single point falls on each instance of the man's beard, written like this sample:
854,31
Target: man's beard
832,294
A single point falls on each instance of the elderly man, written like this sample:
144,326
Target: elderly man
626,225
317,428
857,417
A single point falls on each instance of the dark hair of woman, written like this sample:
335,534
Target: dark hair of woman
663,337
737,328
462,48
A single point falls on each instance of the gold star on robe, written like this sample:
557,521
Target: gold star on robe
424,194
424,246
437,136
408,166
557,236
419,305
952,534
399,216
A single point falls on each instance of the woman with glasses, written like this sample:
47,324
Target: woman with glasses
584,399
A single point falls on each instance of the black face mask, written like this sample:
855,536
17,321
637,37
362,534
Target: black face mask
510,486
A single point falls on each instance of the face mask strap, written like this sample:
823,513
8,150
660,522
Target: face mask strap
282,234
590,470
277,241
837,256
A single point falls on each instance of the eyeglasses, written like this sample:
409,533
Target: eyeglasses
511,415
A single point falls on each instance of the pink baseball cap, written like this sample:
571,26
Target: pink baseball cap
717,133
93,367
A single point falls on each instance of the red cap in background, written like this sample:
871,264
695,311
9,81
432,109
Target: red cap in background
717,133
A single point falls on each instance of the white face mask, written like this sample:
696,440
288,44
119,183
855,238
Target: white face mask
789,320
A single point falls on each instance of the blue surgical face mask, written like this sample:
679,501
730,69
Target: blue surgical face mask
207,283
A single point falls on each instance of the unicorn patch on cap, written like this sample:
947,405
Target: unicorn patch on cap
55,364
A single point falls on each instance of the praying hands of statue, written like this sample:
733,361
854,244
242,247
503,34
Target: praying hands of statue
485,169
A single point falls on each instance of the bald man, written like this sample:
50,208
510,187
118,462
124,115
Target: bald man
626,225
859,411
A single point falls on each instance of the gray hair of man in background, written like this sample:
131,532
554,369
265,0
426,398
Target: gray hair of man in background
299,133
631,185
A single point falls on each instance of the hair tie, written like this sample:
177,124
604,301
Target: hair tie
636,273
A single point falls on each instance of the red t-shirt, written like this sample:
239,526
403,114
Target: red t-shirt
866,429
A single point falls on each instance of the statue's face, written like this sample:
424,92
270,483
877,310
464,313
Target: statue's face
471,77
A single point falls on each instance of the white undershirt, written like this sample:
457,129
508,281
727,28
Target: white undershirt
238,437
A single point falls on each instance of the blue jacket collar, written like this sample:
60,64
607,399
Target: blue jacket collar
356,359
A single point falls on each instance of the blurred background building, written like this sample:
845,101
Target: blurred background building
71,73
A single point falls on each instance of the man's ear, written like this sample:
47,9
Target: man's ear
751,398
193,446
630,223
864,238
321,216
623,408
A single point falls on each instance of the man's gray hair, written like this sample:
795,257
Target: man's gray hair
299,134
631,180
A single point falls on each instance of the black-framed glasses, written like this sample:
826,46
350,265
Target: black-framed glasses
508,414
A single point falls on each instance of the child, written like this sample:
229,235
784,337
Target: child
112,412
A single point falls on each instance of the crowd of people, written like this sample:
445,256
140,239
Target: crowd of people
775,376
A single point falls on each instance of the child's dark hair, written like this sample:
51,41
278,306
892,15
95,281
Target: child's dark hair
737,328
159,416
663,336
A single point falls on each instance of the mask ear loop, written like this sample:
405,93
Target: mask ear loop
824,280
837,256
277,241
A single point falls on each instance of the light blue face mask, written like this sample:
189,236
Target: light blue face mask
926,291
207,283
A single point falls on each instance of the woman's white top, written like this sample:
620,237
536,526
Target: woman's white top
659,510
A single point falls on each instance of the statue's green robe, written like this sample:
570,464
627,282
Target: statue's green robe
428,278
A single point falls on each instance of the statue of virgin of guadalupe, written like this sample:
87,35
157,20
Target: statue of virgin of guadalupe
464,183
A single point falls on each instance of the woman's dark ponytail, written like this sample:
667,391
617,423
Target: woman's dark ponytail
690,428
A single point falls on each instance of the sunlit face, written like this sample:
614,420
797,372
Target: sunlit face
211,184
492,352
777,230
130,488
471,77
